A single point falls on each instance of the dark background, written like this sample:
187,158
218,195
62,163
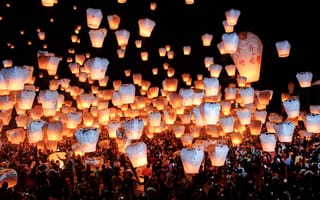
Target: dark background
177,24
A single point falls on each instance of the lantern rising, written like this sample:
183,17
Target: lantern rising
191,159
137,153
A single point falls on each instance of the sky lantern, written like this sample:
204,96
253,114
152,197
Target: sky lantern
127,93
97,37
87,139
122,36
191,159
268,142
53,130
227,123
227,27
232,16
35,131
210,112
133,128
113,21
16,135
137,154
255,127
284,131
312,122
15,77
48,3
94,17
230,42
211,86
292,107
217,154
304,79
97,67
146,27
283,48
248,56
206,39
215,70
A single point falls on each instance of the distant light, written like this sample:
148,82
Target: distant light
153,5
74,7
29,42
51,20
122,1
8,5
22,32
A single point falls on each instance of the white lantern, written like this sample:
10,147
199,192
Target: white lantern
217,154
87,139
284,131
191,159
146,27
232,16
247,95
154,118
211,86
268,142
292,107
206,39
127,93
73,119
16,135
94,17
137,154
230,42
54,130
122,37
312,122
283,48
210,112
215,70
15,77
133,128
304,79
97,37
97,67
255,127
10,176
231,70
113,21
186,140
178,130
227,27
227,123
112,127
244,116
35,131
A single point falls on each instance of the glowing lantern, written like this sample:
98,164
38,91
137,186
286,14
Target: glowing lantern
284,131
94,17
113,21
146,26
186,140
227,123
186,50
35,131
122,37
191,159
73,119
206,39
112,127
144,55
10,176
244,116
153,5
197,117
133,128
211,86
232,16
170,84
292,107
97,37
217,154
236,138
7,101
16,135
248,56
210,112
47,3
162,52
231,70
7,63
54,130
215,70
48,99
208,61
154,118
127,93
283,48
178,130
312,122
230,93
137,153
87,139
247,95
268,142
97,67
264,97
227,27
314,109
15,77
255,127
22,120
230,42
304,79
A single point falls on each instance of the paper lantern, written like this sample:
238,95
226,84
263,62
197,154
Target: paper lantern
154,118
144,55
94,17
48,99
73,119
133,128
146,27
208,61
284,131
264,97
186,140
112,127
22,120
227,123
97,37
244,116
227,27
10,176
54,130
230,93
241,81
87,139
191,159
113,21
232,16
247,95
48,3
197,96
35,131
292,107
211,86
122,37
15,77
255,127
312,122
16,135
206,39
94,162
304,79
210,112
186,50
283,48
231,70
127,93
97,67
230,42
137,154
248,56
178,130
217,154
268,142
215,70
197,117
170,84
7,101
236,138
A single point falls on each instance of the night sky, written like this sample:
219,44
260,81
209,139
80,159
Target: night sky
177,25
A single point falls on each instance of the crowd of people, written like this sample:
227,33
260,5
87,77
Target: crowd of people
292,171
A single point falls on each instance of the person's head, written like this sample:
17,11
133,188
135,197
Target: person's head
5,185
